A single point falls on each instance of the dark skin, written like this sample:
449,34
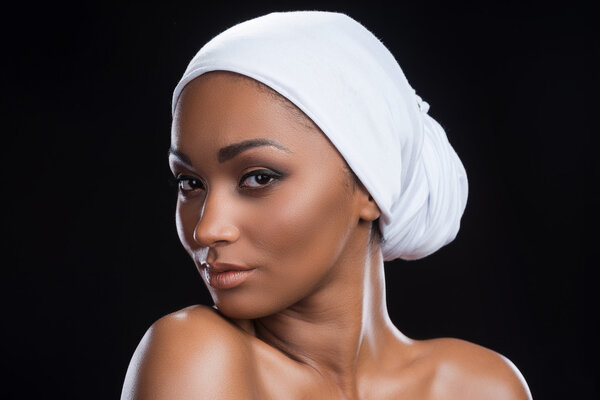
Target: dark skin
307,317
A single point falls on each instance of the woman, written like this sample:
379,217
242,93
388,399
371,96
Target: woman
304,160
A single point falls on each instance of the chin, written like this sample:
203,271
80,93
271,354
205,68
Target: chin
242,306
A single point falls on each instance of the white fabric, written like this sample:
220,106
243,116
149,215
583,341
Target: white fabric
341,76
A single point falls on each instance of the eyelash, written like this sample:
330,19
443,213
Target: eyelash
197,184
182,179
272,175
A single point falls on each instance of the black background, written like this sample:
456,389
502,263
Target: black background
92,256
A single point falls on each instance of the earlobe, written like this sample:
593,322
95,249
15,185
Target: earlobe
369,211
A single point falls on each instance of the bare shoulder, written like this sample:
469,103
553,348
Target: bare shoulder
192,353
464,370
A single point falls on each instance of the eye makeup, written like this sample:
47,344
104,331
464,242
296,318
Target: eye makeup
259,179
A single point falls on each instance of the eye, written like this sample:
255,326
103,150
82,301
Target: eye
259,178
188,184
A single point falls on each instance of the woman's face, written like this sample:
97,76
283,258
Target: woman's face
266,207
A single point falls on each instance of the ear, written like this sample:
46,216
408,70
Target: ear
368,209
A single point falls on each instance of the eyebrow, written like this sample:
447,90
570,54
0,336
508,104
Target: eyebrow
180,155
232,150
228,152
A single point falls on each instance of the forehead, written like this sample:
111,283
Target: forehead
222,108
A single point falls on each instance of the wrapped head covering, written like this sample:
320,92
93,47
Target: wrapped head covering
344,79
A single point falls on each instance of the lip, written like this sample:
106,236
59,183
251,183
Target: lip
226,276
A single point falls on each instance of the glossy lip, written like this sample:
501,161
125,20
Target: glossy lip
226,276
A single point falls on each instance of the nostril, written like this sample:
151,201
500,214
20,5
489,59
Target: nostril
216,234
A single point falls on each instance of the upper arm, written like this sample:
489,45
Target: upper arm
190,354
468,371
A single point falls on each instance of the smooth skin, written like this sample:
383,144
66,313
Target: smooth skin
310,321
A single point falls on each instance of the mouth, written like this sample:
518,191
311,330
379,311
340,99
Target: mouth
226,276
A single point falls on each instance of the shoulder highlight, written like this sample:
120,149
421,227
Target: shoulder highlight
191,353
469,371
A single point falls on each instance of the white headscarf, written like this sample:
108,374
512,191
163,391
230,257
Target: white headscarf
343,78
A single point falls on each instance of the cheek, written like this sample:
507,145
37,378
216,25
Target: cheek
302,236
185,219
306,219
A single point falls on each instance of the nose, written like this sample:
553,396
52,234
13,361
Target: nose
215,226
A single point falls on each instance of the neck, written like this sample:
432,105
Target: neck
342,330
